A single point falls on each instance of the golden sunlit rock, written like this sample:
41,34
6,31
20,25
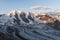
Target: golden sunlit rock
14,12
46,18
36,14
20,12
58,17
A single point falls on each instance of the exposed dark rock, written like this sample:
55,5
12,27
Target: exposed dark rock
4,36
26,33
0,15
23,17
17,20
30,17
11,29
57,24
18,35
42,31
10,15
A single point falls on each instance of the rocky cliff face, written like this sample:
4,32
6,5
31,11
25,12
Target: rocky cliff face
18,25
19,17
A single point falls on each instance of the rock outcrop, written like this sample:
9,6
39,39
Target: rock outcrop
18,25
46,18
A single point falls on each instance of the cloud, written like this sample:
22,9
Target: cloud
35,7
57,10
46,7
40,7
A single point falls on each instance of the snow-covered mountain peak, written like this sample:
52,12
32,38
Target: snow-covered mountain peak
18,17
21,17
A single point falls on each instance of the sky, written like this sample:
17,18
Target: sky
26,5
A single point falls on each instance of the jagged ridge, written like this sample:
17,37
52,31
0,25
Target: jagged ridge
19,17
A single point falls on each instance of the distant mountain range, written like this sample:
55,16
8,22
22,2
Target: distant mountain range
20,17
19,25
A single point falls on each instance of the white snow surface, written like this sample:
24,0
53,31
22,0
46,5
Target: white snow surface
32,30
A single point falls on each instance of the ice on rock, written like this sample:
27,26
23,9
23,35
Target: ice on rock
14,26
